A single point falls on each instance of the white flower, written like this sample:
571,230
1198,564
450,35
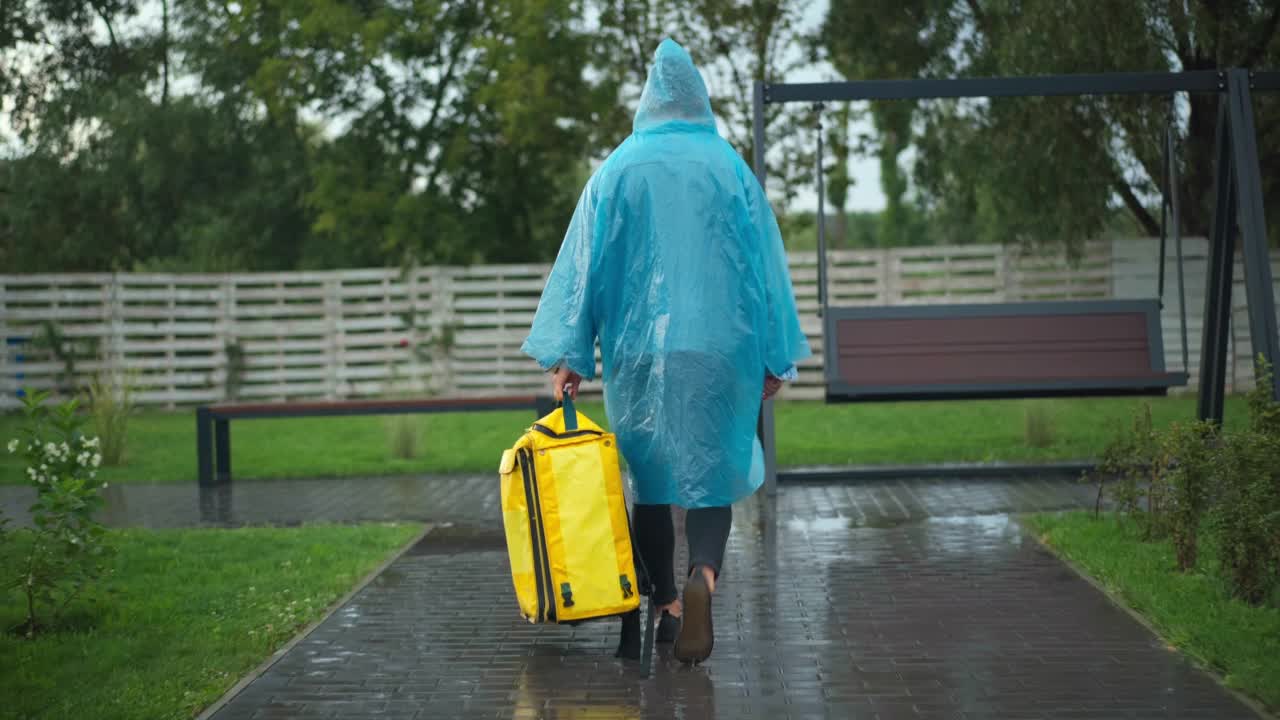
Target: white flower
31,473
66,451
90,442
93,474
51,450
13,446
104,485
97,459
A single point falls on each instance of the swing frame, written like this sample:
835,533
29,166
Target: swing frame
1238,208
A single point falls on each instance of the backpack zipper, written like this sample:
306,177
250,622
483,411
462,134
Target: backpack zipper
564,435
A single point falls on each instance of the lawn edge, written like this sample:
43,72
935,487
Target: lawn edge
336,605
1253,704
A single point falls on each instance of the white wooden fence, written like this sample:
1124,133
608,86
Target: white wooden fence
189,338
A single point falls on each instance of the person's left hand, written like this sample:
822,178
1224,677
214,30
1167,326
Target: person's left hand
771,386
563,379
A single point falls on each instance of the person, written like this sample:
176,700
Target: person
673,260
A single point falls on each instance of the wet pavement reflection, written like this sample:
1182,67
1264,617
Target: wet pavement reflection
836,603
474,500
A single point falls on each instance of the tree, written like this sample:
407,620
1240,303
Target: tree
115,171
1055,169
272,134
462,119
735,44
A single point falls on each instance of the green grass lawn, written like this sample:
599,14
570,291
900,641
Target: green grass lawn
1193,612
162,445
185,615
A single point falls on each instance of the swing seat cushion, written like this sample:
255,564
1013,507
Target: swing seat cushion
1038,349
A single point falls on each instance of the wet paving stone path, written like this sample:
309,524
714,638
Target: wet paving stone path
899,599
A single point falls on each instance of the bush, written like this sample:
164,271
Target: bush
403,433
65,551
1192,475
1038,426
110,405
1246,515
1130,460
1186,467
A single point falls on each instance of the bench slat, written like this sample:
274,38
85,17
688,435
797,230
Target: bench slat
997,350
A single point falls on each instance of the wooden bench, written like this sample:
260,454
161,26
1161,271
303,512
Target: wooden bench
1038,349
213,432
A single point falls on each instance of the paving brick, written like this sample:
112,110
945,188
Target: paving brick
834,604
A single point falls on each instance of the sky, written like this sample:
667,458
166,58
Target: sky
865,193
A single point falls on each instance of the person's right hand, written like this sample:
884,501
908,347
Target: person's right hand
563,379
771,386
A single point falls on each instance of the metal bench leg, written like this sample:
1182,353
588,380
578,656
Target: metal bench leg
204,449
765,429
222,448
544,405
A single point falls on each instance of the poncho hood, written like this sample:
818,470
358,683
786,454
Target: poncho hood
674,92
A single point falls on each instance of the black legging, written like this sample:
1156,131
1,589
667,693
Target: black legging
706,529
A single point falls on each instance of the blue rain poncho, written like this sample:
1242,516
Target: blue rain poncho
674,261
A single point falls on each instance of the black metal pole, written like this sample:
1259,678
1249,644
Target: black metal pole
1164,216
822,224
204,447
1171,149
222,449
1154,83
1217,300
764,426
1253,225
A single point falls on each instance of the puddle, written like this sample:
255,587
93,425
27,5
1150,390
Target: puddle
456,539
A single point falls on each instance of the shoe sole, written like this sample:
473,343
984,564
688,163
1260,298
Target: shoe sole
697,636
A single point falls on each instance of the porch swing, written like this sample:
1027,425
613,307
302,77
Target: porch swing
1002,350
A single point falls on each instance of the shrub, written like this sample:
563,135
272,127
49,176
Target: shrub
110,405
1246,514
403,433
1038,426
1186,467
65,550
1131,460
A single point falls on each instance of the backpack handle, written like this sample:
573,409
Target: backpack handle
570,413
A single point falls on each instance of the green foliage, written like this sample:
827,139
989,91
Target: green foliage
403,432
1264,411
65,551
452,133
1130,459
1194,475
110,406
162,444
1246,516
185,615
1038,426
236,366
852,230
1050,170
1187,470
1190,611
67,351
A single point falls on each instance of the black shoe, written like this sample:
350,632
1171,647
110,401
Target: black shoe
697,637
629,643
668,628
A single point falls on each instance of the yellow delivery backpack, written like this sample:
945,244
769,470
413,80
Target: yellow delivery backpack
565,515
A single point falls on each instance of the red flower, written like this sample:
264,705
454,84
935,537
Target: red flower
404,342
